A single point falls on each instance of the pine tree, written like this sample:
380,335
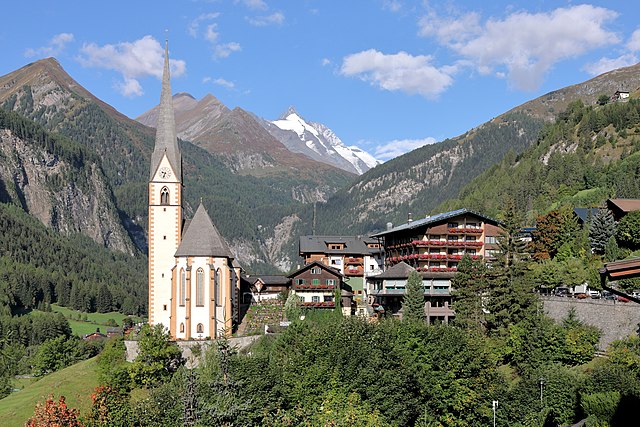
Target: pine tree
601,229
103,300
413,301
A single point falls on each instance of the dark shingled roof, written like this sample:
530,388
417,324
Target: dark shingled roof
435,219
399,271
352,245
166,139
202,238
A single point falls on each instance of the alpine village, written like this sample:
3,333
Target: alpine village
153,274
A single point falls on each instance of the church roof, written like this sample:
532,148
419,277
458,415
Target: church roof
202,238
166,138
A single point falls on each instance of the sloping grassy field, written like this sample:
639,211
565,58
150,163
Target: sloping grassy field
75,383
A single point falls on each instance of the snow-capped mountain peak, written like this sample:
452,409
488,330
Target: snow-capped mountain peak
319,142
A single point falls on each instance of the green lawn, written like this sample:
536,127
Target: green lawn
76,383
86,323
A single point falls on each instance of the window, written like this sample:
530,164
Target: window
315,298
331,282
200,328
452,225
452,238
182,327
216,287
164,307
470,238
200,287
164,196
315,270
315,281
299,281
490,239
183,287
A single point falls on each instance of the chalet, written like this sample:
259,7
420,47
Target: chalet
94,336
620,207
316,285
620,95
356,257
267,286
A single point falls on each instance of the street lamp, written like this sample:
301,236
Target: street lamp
541,381
495,406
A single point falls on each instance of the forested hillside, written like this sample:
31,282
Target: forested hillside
421,180
591,153
246,209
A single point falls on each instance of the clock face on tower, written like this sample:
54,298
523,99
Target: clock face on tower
165,172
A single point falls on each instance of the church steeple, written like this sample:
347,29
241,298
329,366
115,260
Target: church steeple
166,140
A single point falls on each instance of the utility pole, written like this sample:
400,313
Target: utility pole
541,380
495,406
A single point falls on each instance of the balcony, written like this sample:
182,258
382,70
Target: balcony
326,304
352,260
354,271
310,287
465,230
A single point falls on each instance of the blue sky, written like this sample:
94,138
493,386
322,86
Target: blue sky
386,75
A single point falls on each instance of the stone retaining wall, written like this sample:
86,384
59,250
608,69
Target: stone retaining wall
615,319
188,348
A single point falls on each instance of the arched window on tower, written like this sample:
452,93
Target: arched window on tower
182,328
200,287
216,287
164,196
200,328
183,287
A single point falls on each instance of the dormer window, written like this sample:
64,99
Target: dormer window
164,196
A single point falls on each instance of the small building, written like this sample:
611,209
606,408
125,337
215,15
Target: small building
585,215
620,95
620,207
316,285
390,287
94,336
267,286
356,257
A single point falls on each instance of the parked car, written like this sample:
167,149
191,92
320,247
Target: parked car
594,294
561,292
622,299
608,295
582,296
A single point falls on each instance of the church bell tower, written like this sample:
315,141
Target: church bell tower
165,206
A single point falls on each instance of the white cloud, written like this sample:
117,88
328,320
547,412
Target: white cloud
634,41
325,62
276,18
133,60
392,5
194,26
526,44
608,64
224,50
211,34
254,4
398,147
400,71
129,88
54,47
224,83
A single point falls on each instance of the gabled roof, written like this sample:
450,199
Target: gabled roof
166,138
399,271
271,280
316,264
352,244
434,219
202,238
625,205
585,214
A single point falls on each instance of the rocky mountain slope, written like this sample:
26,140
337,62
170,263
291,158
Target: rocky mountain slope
58,182
237,138
318,142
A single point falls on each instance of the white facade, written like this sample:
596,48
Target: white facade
165,219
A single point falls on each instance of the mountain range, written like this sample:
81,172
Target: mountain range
261,193
251,145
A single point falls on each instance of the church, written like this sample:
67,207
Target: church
193,277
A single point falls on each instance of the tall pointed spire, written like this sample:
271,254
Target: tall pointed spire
166,140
